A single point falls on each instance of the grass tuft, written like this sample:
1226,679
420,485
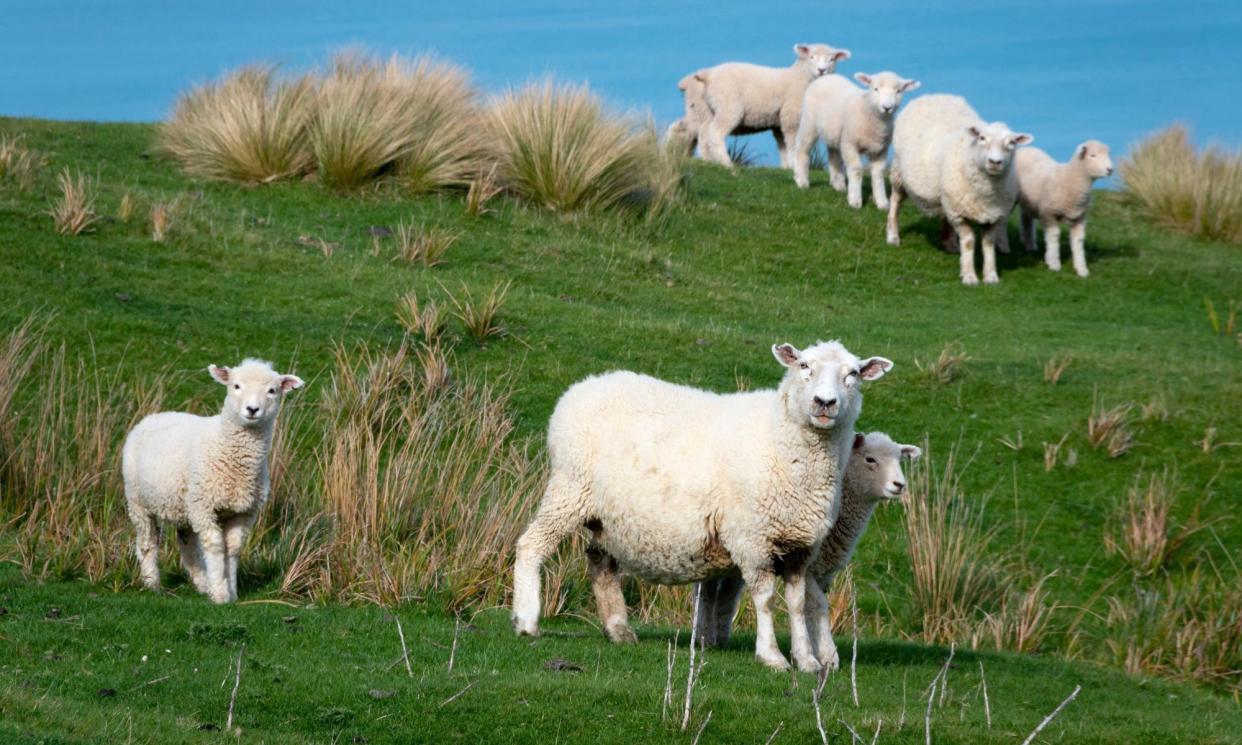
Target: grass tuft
419,244
1143,533
426,320
480,316
483,188
18,164
74,212
948,367
1055,367
163,216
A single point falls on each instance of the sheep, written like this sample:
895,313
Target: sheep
205,476
853,122
680,485
1055,193
873,475
952,163
745,98
686,129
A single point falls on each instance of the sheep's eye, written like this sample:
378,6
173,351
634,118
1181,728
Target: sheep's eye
804,366
870,460
237,386
271,391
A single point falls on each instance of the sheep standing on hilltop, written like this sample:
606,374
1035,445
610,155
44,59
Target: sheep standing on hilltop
873,475
953,164
853,122
680,485
745,98
1058,193
685,130
205,476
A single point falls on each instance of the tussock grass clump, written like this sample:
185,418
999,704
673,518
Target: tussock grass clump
483,188
162,219
1196,192
419,244
481,316
1144,533
426,319
1110,429
559,148
18,164
74,212
948,366
249,126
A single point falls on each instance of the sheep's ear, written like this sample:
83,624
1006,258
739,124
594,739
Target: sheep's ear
859,440
911,451
289,383
701,76
221,374
874,368
840,54
974,131
786,354
909,85
1081,154
863,78
1021,138
802,50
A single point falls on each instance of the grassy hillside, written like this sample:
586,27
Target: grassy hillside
289,271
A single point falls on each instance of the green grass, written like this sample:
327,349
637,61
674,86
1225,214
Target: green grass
697,298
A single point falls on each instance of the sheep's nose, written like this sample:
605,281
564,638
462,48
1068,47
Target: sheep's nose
1108,171
252,410
995,162
899,486
825,404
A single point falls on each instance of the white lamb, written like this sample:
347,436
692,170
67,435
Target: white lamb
1056,193
205,476
680,485
873,475
745,98
853,122
953,164
685,130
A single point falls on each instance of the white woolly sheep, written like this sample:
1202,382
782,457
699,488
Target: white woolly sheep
953,164
873,475
1056,193
679,485
853,122
745,98
697,113
205,476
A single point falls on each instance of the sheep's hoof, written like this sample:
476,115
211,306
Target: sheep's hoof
881,205
893,239
991,278
802,183
1054,266
622,634
1082,272
855,203
525,628
776,661
809,664
970,279
830,659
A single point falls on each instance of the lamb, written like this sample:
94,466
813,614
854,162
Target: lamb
952,163
1055,193
873,475
853,122
745,98
205,476
685,130
680,485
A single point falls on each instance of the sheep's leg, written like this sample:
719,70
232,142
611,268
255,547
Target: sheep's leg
1002,235
877,180
781,148
557,517
990,277
819,620
712,141
892,233
192,558
708,595
236,529
796,587
1026,230
1052,243
853,175
1078,236
836,169
966,245
804,143
762,588
211,539
609,600
146,546
728,595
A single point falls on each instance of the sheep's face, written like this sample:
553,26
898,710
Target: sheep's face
884,90
823,59
1095,155
823,382
992,146
875,463
254,391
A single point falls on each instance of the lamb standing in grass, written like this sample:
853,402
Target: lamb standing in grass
205,476
745,98
680,485
1056,193
686,129
952,163
873,475
853,122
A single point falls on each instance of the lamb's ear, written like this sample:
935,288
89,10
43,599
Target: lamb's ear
701,76
859,440
840,54
874,368
911,451
863,78
1081,153
1021,138
221,374
802,50
290,382
786,354
974,132
909,85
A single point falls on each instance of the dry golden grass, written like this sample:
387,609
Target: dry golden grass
947,367
249,127
1055,367
125,210
1110,429
74,212
163,216
1143,533
483,188
481,316
419,244
1196,192
1021,623
18,164
426,320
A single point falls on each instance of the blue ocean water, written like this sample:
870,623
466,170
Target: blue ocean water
1065,70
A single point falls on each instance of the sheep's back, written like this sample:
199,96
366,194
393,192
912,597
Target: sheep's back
925,132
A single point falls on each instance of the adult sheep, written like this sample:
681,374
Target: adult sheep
680,485
953,164
205,476
874,475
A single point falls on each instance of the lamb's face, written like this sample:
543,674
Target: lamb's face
884,90
824,381
992,146
1095,155
254,391
875,462
822,57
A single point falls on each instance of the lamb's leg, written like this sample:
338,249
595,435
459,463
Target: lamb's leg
804,143
1078,236
1026,230
966,244
728,595
819,619
892,231
990,276
796,583
235,531
836,169
557,517
146,546
948,237
877,180
781,148
1002,236
762,588
712,141
211,539
853,175
192,558
609,600
1052,242
707,592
